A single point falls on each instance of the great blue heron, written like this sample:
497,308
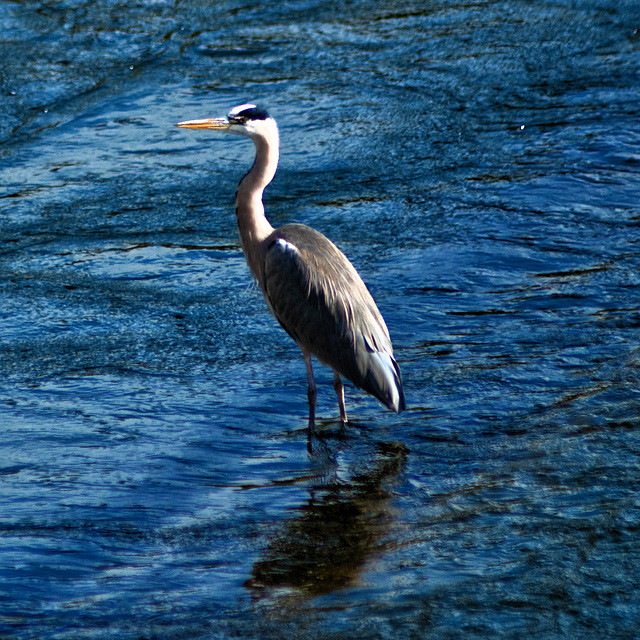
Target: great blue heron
310,286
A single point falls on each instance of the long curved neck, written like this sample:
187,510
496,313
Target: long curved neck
252,223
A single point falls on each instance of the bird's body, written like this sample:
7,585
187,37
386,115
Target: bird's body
309,285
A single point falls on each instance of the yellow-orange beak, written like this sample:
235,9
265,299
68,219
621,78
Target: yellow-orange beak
208,123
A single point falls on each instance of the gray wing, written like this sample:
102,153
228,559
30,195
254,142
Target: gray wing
320,300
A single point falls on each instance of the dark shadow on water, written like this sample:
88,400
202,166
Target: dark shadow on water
328,542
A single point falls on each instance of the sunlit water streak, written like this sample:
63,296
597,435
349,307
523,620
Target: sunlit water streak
478,162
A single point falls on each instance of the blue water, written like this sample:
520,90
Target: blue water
478,162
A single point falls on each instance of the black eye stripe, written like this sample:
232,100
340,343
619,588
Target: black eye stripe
253,113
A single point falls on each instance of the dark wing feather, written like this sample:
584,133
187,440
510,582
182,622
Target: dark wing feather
320,300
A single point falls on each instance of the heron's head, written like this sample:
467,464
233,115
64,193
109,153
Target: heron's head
245,120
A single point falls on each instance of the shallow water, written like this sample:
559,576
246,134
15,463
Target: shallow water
478,162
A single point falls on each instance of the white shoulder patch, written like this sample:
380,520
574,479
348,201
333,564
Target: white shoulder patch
240,108
287,246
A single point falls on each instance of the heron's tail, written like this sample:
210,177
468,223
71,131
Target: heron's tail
383,380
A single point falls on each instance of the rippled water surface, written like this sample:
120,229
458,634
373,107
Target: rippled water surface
479,163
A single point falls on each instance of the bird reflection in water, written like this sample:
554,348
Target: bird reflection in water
326,545
309,285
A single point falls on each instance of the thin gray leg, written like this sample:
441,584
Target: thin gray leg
339,387
311,393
